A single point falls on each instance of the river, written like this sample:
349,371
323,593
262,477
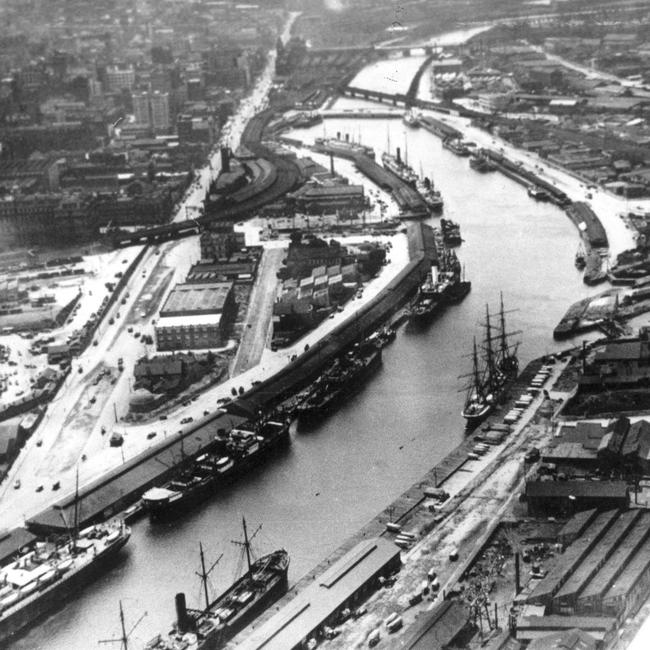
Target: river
337,476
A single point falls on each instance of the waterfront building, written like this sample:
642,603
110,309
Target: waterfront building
344,585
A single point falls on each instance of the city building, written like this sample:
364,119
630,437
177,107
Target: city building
118,78
196,316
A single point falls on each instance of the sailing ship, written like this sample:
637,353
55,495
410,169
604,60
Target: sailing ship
46,572
213,626
492,371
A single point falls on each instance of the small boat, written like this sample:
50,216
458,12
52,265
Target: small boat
581,258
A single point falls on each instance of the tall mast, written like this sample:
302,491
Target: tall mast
75,531
204,577
247,544
489,354
204,574
406,150
477,378
387,139
125,637
504,340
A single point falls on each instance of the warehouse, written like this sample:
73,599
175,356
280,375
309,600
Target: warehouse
196,316
566,497
565,600
346,583
570,560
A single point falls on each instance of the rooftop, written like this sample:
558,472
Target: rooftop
194,299
310,608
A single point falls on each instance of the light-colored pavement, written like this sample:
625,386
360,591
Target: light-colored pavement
260,311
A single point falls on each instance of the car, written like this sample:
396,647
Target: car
162,417
187,420
39,488
93,399
532,455
130,330
56,485
16,484
95,342
39,442
206,412
151,435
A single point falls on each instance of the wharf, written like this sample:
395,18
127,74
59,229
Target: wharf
411,203
402,510
113,492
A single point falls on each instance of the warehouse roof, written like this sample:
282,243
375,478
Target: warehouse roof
203,298
314,605
437,628
578,489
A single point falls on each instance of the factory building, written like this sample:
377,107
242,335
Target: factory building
196,316
604,572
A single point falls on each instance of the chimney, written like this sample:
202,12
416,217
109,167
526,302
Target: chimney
182,622
398,155
225,159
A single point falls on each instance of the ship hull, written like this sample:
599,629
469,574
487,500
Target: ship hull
319,410
165,510
53,597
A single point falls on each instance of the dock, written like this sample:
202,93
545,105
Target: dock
112,493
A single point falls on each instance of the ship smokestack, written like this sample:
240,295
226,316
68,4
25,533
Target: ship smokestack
332,164
225,159
182,622
347,137
338,135
398,155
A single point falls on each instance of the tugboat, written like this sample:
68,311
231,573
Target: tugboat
213,626
411,119
232,455
538,193
457,146
491,375
581,258
450,232
481,163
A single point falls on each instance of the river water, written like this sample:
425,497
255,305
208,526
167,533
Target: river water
337,476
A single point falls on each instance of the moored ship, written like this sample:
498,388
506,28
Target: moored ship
481,163
43,576
221,619
338,382
450,232
342,148
399,167
457,146
492,372
442,286
411,119
233,454
431,196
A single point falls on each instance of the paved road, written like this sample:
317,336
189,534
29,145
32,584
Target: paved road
260,310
